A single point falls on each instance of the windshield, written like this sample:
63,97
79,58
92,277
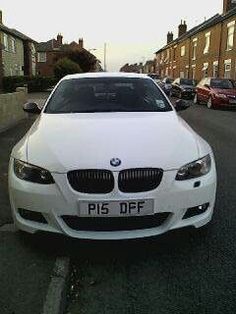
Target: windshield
222,84
107,95
187,82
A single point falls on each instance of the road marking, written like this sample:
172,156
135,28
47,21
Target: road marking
8,228
56,296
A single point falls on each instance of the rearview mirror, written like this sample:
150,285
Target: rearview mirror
181,105
31,107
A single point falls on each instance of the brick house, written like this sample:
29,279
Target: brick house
17,52
208,49
48,53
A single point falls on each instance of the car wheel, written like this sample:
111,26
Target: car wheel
209,103
195,100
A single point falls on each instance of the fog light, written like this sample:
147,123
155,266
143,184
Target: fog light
197,210
31,215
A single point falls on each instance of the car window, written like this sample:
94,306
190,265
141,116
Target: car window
187,82
223,84
107,95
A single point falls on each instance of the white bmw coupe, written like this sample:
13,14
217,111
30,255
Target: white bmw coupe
109,158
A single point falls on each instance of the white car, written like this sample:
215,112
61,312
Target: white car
109,158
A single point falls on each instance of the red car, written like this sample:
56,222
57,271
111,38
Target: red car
216,92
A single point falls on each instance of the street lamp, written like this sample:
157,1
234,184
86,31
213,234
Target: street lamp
105,56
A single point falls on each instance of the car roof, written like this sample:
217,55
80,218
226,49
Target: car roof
105,75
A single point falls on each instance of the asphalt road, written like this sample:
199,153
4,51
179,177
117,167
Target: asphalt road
187,271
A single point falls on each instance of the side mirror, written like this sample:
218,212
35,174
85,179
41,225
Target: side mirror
31,107
181,105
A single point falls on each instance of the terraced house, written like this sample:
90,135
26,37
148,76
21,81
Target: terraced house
208,49
17,52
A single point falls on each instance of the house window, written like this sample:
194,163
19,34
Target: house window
194,49
215,69
230,36
193,71
207,43
227,73
182,52
13,45
167,71
5,42
42,57
205,69
174,53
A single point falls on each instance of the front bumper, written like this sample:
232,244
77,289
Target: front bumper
224,102
59,199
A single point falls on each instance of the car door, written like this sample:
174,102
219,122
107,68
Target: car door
175,87
200,90
206,90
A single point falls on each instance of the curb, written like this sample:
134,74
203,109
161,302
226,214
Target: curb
55,302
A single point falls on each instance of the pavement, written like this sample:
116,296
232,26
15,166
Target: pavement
186,271
25,267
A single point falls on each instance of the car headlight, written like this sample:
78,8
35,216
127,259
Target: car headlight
27,172
221,95
195,169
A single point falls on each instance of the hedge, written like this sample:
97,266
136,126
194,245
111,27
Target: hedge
34,84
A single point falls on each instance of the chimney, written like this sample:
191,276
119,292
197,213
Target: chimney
182,28
170,37
59,39
228,5
1,17
81,43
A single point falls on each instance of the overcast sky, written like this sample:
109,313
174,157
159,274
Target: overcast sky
133,30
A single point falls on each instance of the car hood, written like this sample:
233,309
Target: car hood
231,92
63,142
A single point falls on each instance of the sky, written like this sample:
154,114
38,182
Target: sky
132,30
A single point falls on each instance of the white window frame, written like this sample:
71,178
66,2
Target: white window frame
182,51
5,42
194,50
42,57
230,35
13,44
227,68
207,43
215,70
194,71
205,69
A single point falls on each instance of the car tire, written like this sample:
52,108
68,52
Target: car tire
209,103
195,100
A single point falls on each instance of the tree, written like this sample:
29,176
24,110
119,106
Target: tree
66,66
84,58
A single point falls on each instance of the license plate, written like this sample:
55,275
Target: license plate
116,208
233,102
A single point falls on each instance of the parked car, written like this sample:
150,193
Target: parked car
103,161
166,85
154,76
183,88
216,92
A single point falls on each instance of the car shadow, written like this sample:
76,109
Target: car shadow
172,243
